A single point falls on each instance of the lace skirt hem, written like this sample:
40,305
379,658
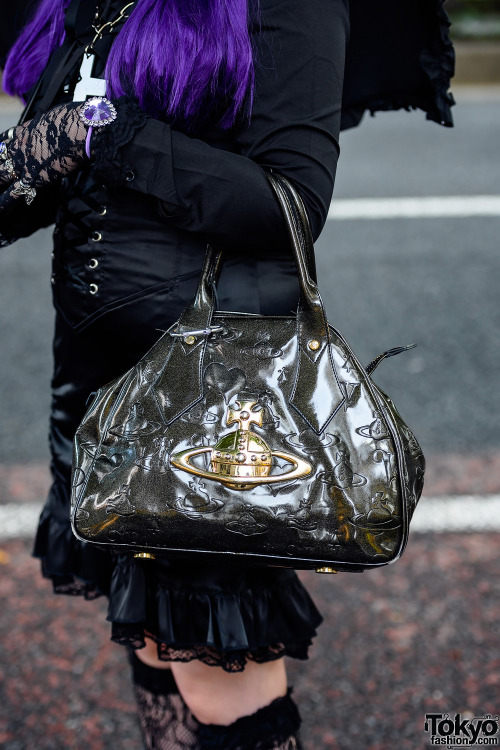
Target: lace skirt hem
231,661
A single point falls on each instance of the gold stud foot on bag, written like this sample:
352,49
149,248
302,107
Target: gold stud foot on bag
144,556
326,569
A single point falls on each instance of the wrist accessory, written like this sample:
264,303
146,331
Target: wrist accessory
23,188
96,113
249,437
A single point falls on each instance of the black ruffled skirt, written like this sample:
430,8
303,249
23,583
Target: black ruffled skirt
222,614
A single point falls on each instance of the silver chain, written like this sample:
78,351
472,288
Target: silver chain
105,28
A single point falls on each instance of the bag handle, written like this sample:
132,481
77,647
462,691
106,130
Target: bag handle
300,217
310,313
311,317
316,393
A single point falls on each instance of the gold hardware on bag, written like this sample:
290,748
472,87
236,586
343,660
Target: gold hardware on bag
326,569
189,340
144,556
314,345
241,460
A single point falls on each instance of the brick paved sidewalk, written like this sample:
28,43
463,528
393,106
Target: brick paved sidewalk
419,636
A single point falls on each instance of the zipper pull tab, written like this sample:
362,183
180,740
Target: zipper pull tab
389,353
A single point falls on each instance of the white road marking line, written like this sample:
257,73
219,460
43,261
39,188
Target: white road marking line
19,521
461,513
415,208
457,513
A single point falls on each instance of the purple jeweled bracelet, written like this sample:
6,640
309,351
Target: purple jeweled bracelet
96,113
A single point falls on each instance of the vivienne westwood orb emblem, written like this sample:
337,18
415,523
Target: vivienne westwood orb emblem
242,459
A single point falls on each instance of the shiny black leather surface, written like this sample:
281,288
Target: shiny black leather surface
350,509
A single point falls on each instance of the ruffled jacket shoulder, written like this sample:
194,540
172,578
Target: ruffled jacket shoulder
400,56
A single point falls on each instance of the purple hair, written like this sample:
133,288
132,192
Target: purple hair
40,36
187,61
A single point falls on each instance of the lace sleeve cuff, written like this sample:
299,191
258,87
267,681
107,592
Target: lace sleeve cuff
108,160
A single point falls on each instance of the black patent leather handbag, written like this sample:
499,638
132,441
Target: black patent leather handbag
249,436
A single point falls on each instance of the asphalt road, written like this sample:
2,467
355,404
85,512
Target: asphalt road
385,283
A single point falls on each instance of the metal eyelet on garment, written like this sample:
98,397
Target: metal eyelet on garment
102,211
96,236
93,263
129,176
93,288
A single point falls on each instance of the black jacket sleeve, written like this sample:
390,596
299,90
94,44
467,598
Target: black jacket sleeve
300,52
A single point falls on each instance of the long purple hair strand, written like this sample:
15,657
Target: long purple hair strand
31,51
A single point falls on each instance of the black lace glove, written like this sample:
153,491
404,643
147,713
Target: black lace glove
51,146
41,153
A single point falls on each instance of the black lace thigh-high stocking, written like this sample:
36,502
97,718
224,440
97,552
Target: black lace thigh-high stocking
165,720
274,727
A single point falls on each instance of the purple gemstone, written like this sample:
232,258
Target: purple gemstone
98,112
89,113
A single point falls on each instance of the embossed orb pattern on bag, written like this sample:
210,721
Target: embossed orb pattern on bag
252,436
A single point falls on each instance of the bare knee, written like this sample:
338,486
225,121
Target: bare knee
218,697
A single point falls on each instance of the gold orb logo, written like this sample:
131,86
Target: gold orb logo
242,459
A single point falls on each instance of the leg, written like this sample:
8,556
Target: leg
165,720
218,697
249,710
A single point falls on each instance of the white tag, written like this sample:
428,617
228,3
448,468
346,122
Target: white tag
88,87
